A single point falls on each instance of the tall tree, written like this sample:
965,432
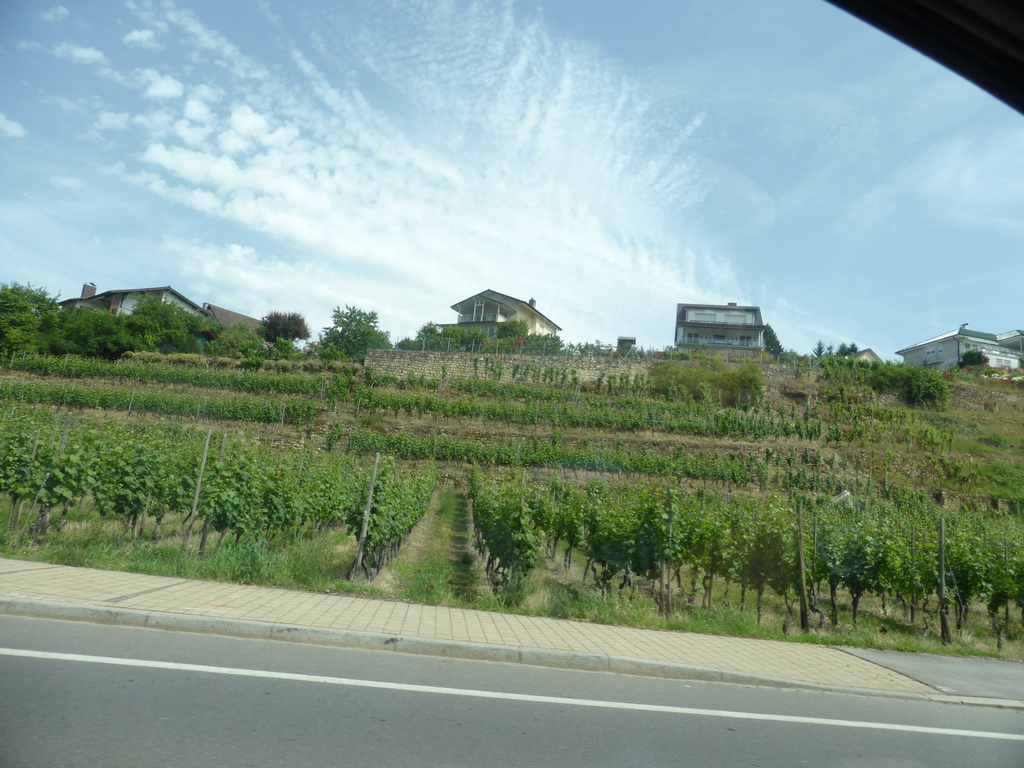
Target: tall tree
847,349
772,345
819,349
27,317
354,332
290,326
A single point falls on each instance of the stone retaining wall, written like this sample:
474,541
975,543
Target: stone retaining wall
569,369
465,365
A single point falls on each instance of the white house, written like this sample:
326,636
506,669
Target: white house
122,301
1003,350
719,325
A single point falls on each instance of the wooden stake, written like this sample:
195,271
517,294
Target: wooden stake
947,638
191,519
366,520
206,519
805,624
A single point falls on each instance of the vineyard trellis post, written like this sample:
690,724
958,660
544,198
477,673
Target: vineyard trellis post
1006,565
191,519
366,520
913,565
666,575
805,625
943,618
206,520
38,528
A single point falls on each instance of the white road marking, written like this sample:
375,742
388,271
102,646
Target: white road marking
594,703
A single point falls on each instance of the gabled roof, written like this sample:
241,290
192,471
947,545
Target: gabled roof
126,291
504,298
866,355
961,332
227,318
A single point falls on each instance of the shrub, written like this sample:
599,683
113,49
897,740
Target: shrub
730,385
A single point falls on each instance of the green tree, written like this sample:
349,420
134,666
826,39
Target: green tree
462,338
847,349
159,326
89,333
290,326
28,317
354,332
772,345
429,336
819,349
512,329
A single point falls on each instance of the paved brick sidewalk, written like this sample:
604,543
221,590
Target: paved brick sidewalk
797,662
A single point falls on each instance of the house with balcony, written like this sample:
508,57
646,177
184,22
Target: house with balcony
485,310
727,326
1003,350
122,301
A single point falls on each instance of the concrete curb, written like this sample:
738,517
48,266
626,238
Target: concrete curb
452,649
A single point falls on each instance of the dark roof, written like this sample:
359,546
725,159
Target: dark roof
982,40
125,291
227,318
510,298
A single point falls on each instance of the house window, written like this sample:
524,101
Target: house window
692,338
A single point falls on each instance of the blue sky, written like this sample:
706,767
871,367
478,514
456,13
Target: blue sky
607,159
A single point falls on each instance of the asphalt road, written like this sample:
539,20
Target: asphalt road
75,694
994,678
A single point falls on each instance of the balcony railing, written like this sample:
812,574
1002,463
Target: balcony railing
488,317
710,341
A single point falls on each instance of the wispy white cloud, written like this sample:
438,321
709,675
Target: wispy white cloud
143,38
56,13
79,53
10,128
116,121
157,86
65,182
401,170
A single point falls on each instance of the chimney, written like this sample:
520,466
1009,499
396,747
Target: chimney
533,303
963,326
732,303
88,290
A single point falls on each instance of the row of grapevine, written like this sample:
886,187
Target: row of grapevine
134,473
714,467
638,533
505,528
838,418
259,382
633,415
399,501
297,411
